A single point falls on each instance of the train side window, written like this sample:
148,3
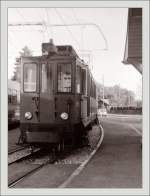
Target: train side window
44,78
78,80
84,81
90,86
64,77
30,77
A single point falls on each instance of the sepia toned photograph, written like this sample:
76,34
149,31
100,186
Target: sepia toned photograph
75,98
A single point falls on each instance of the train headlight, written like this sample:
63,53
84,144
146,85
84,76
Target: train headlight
28,115
64,116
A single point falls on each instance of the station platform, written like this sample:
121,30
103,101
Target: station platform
116,164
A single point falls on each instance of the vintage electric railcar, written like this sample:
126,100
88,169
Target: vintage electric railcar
13,104
58,96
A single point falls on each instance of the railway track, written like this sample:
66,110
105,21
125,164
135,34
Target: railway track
26,155
49,159
20,154
16,150
15,181
38,168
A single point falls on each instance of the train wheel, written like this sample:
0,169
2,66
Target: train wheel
58,148
61,146
75,138
52,155
31,149
96,121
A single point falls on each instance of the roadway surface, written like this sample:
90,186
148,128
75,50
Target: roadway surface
118,162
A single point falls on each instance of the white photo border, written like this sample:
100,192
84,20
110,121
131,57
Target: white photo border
4,107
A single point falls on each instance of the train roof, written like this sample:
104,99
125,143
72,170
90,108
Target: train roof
51,49
66,50
60,51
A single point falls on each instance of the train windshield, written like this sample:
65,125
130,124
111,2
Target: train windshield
30,77
64,77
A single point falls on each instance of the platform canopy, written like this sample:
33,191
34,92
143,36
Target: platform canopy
133,46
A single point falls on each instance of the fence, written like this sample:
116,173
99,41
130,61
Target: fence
126,110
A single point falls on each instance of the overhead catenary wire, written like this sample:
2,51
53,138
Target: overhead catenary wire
21,15
25,21
84,53
43,24
49,22
87,24
17,41
75,16
13,32
44,28
66,26
77,20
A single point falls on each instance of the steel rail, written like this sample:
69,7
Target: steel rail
10,185
21,154
16,150
50,159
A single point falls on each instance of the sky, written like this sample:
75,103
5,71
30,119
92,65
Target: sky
101,44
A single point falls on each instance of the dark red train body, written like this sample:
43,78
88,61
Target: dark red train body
58,95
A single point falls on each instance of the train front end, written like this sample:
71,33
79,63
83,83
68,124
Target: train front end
50,109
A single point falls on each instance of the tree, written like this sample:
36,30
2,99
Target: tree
117,96
26,52
139,103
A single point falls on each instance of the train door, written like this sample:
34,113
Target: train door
81,88
30,100
47,92
88,93
84,99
